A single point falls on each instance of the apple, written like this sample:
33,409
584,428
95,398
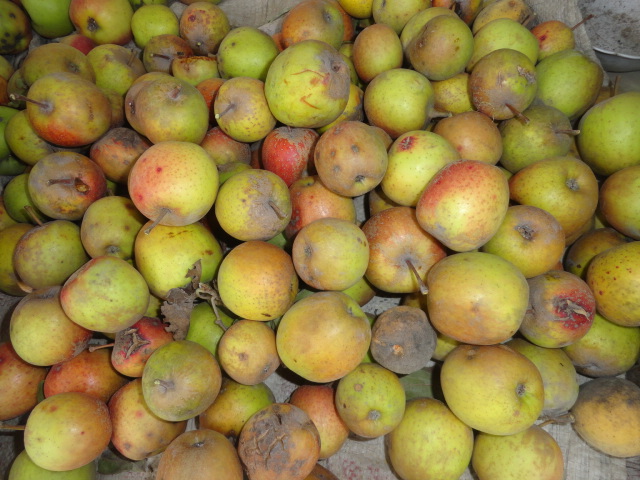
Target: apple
311,200
476,297
370,400
307,85
23,468
203,26
616,205
224,149
350,158
257,281
49,19
173,183
464,204
563,186
559,375
532,453
23,141
19,203
38,319
5,218
194,69
580,253
358,10
606,350
134,345
207,326
137,432
398,101
160,50
106,294
78,41
429,442
323,336
452,95
19,381
288,152
196,453
419,19
151,20
115,66
318,402
399,250
233,406
313,20
530,238
102,22
242,111
330,254
166,254
116,152
376,48
88,372
506,388
67,431
246,51
9,238
253,204
181,379
16,26
55,57
352,111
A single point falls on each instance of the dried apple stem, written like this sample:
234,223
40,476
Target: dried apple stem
573,133
32,213
18,97
12,427
517,113
588,17
280,214
157,221
423,288
93,348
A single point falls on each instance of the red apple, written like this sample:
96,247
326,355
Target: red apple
78,41
288,152
103,22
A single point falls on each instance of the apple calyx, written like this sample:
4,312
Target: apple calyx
137,342
572,183
92,24
526,231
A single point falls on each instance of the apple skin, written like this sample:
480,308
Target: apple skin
467,293
17,31
88,372
617,203
116,152
78,41
606,350
23,468
102,22
137,432
19,383
288,152
313,19
490,375
246,52
395,238
430,442
116,67
530,238
376,48
318,402
257,281
67,431
611,275
464,204
224,149
151,20
311,200
203,25
559,375
9,239
323,336
561,309
533,454
49,19
587,246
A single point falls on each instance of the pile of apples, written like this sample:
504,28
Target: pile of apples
191,207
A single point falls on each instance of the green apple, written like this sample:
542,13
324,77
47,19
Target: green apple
517,10
23,468
206,326
49,18
115,66
419,20
9,238
18,202
246,52
505,387
430,442
150,20
23,141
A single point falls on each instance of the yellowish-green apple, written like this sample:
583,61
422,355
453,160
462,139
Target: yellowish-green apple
353,111
452,95
430,442
137,432
330,254
561,309
607,349
533,454
476,297
612,275
38,319
414,158
617,203
492,388
106,294
401,253
115,66
166,255
419,20
581,252
370,400
181,379
206,326
515,9
376,48
253,204
559,376
246,51
307,84
9,238
563,186
464,204
397,14
234,405
49,19
530,238
257,281
174,183
23,468
323,337
151,20
55,57
204,26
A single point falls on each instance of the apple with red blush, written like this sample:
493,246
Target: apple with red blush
288,152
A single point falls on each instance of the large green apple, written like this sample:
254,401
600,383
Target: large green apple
49,18
246,52
23,468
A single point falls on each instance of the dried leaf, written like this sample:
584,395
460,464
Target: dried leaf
176,310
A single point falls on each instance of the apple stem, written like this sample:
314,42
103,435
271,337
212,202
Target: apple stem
12,427
32,213
528,20
230,107
517,113
585,19
23,286
573,133
160,55
279,213
132,57
423,288
163,212
79,185
562,419
93,348
18,97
